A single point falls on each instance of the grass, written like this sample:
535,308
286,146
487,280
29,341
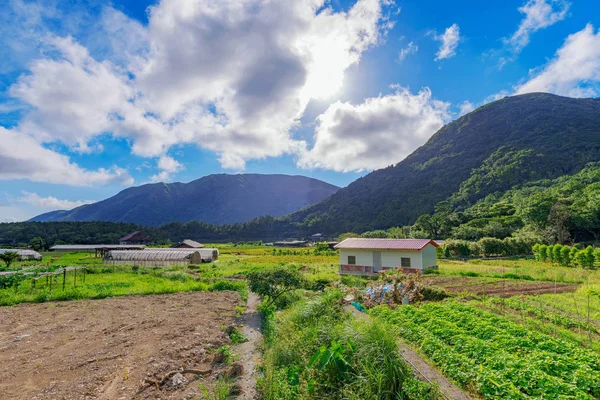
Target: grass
101,283
519,269
315,349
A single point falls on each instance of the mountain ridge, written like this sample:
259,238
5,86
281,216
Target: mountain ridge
216,199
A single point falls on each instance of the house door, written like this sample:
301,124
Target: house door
376,261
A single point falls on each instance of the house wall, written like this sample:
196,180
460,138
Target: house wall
390,258
429,256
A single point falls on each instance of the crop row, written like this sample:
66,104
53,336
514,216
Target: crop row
531,307
495,356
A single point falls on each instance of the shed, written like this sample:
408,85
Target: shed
291,243
153,258
24,255
136,237
187,244
360,256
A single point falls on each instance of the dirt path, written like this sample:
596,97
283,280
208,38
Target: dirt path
422,368
106,349
248,351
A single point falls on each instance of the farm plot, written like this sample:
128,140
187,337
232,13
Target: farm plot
494,356
103,349
497,287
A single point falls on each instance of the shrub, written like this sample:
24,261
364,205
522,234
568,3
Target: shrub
271,284
491,246
434,293
458,248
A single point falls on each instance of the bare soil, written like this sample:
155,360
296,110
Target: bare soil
116,348
249,353
500,287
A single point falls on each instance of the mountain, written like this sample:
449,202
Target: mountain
509,142
214,199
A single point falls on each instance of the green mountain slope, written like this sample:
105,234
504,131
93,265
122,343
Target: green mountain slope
214,199
502,144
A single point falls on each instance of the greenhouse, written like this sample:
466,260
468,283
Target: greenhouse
24,255
159,257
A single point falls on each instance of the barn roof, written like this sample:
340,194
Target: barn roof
132,235
23,253
191,243
385,244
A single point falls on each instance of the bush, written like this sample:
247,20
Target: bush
434,293
492,246
270,284
458,248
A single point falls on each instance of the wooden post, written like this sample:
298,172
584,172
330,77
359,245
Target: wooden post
64,278
84,273
588,321
51,279
75,279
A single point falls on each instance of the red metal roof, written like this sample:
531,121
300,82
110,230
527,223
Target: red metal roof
385,244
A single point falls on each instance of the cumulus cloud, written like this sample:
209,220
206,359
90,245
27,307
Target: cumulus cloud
376,133
574,71
233,77
539,14
167,166
411,48
465,107
22,157
450,40
50,202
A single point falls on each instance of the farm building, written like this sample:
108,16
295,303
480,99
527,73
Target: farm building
136,237
369,256
161,257
187,244
291,243
24,255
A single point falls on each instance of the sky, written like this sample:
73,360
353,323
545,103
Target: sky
97,96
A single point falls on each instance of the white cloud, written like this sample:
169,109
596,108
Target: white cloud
574,71
411,48
233,77
167,166
465,107
379,132
539,14
450,40
22,157
50,202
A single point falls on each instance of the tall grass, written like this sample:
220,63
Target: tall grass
316,350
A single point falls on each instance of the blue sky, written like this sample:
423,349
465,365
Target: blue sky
97,96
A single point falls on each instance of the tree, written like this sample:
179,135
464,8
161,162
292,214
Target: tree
565,256
543,252
37,243
271,284
558,223
9,257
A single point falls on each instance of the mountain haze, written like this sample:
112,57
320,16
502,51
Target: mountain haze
215,199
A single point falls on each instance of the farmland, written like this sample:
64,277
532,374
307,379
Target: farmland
109,346
511,328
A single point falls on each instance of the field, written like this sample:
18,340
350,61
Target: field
103,349
512,328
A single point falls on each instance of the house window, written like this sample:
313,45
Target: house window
405,262
351,260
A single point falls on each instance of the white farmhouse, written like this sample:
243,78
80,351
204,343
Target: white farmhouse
368,256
